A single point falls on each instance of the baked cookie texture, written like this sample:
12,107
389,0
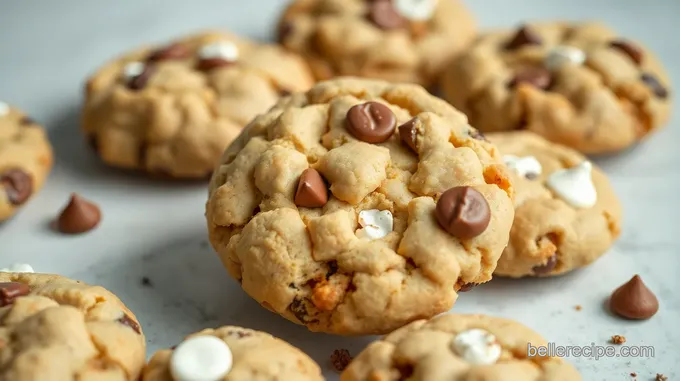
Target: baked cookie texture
392,40
366,255
172,110
55,328
551,236
25,159
255,355
578,84
459,347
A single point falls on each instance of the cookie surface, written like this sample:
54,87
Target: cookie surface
25,159
577,84
551,235
458,347
380,247
172,110
55,328
252,352
395,40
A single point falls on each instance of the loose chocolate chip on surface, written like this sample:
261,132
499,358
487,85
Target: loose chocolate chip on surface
653,83
170,52
536,76
126,320
634,300
463,212
524,36
311,190
208,64
371,122
408,134
546,267
18,185
139,82
10,291
383,14
79,216
633,51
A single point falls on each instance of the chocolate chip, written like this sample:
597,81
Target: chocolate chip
547,267
170,52
524,36
536,76
286,28
311,190
239,334
476,134
371,122
18,185
27,121
633,51
332,269
467,287
207,64
139,82
284,92
634,300
126,320
340,359
79,216
463,212
653,83
383,14
10,291
409,134
299,310
531,175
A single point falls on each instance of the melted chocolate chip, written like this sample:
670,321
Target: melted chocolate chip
18,185
463,212
128,321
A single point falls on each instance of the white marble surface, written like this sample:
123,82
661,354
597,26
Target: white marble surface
157,230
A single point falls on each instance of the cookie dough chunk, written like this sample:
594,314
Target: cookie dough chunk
461,348
25,159
577,84
172,110
54,328
395,40
566,212
234,354
360,206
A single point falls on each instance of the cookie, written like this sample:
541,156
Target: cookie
55,328
359,206
566,212
578,84
234,354
25,159
172,110
394,40
460,347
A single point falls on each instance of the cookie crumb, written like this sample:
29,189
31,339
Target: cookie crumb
633,374
578,307
146,282
340,358
618,339
660,377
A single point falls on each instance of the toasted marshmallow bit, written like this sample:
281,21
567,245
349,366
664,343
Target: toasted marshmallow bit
477,347
4,109
201,358
526,166
375,224
574,185
417,10
133,69
18,268
560,56
223,50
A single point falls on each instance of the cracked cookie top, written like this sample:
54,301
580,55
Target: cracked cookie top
578,84
352,237
173,109
55,328
460,348
396,40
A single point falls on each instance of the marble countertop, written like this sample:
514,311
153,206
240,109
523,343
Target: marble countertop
157,229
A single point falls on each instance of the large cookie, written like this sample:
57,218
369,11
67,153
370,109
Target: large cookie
25,159
578,84
461,348
234,354
564,219
172,110
413,213
396,40
55,328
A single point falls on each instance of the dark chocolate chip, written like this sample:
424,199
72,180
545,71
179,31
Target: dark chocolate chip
170,52
299,309
463,212
383,14
653,83
92,142
18,185
547,267
371,122
538,77
409,134
126,320
208,64
139,82
633,51
9,291
524,36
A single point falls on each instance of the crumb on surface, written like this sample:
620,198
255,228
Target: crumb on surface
660,377
340,358
633,374
578,307
618,339
146,282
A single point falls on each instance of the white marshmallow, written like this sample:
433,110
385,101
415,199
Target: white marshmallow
18,268
574,185
201,358
418,10
564,55
523,165
4,109
133,69
477,347
223,50
375,223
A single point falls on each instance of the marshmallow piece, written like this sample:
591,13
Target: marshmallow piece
417,10
564,55
201,358
18,268
4,109
133,69
477,347
376,224
527,165
574,185
224,50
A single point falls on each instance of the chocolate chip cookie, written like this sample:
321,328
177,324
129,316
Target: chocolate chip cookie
55,328
566,212
360,206
460,347
396,40
577,84
25,159
172,110
234,354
